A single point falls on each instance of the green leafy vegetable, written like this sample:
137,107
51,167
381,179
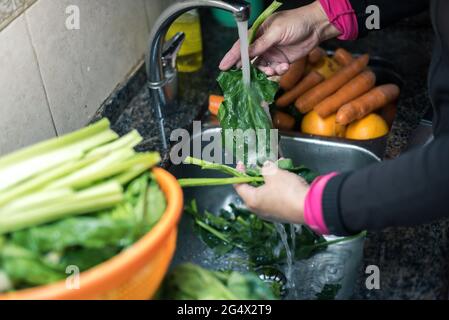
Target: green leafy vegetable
242,106
329,292
239,228
191,282
94,200
252,175
261,19
242,110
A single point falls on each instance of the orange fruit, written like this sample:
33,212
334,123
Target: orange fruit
312,123
370,127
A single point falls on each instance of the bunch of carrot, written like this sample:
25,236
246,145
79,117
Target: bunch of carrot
349,91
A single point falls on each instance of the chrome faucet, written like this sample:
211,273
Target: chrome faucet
160,60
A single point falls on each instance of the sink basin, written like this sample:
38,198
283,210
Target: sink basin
339,263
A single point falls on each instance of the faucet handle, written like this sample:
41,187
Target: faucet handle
171,50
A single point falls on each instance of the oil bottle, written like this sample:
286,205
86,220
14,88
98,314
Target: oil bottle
190,57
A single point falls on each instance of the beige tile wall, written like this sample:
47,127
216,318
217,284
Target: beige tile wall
24,114
52,79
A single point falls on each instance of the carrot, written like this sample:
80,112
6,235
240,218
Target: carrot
309,81
353,89
316,55
388,113
283,121
340,130
311,98
343,57
369,102
215,103
293,75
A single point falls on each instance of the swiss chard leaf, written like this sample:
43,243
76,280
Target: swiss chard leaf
242,108
242,105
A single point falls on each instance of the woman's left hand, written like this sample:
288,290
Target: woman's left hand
280,199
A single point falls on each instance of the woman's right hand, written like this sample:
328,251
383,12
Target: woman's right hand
285,37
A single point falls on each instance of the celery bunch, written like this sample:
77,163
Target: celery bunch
76,200
79,173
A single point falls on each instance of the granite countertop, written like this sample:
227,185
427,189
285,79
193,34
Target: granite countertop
413,261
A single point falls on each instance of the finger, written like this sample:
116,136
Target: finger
240,166
260,61
248,194
275,54
269,171
231,57
268,70
281,68
262,44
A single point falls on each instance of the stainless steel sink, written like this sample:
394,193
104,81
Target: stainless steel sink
340,263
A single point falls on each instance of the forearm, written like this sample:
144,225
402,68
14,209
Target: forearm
410,190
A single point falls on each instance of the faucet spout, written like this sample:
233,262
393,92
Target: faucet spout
240,10
161,76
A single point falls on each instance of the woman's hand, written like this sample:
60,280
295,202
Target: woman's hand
285,37
281,198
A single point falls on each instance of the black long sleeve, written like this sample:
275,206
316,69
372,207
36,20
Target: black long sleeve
410,190
390,11
414,188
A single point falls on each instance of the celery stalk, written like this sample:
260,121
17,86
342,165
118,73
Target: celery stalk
94,199
203,182
29,167
35,199
54,144
131,174
206,165
129,140
261,19
85,173
147,160
40,181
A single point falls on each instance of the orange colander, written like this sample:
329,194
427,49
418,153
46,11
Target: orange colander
135,273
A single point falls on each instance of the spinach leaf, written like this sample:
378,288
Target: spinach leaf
94,232
156,204
86,258
24,268
239,228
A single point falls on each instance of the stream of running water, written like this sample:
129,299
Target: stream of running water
246,63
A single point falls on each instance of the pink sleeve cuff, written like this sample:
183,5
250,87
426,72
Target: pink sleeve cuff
343,17
313,209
